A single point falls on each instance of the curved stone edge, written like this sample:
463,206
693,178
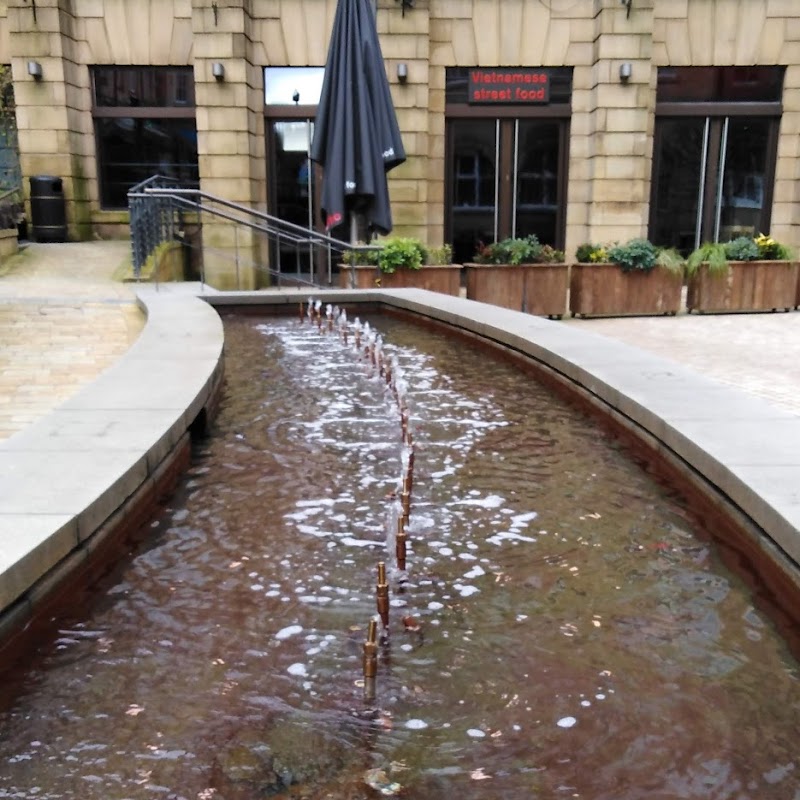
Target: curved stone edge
95,468
743,449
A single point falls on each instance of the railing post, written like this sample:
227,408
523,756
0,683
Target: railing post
236,246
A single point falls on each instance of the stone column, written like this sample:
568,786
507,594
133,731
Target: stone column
53,139
230,137
406,39
616,128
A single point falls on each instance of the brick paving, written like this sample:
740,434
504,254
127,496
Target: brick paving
63,320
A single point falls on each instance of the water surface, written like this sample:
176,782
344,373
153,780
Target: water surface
579,637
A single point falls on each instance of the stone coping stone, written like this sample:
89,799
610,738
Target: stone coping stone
66,474
747,449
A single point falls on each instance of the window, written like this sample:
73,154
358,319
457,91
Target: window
715,148
144,125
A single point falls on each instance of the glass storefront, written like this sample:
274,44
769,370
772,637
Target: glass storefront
715,149
506,164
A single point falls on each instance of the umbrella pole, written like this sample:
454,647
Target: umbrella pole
354,242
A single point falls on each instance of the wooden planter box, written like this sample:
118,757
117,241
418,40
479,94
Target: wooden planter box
747,286
604,290
445,279
539,289
797,292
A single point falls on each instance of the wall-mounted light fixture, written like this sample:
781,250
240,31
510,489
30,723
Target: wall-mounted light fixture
627,4
402,72
404,4
218,70
625,71
35,70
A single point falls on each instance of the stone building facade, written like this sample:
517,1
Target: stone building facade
623,113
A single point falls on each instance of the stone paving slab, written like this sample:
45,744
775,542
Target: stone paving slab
757,353
63,320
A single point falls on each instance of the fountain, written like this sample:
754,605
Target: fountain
564,627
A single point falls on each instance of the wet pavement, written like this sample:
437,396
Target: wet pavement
65,316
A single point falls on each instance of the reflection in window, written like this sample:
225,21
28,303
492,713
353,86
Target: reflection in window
160,87
474,181
132,150
719,84
537,180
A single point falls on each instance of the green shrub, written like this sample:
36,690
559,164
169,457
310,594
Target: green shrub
549,255
401,253
360,258
591,254
637,254
440,256
510,251
711,253
742,248
670,259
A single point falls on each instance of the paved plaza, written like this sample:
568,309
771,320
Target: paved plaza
63,319
65,316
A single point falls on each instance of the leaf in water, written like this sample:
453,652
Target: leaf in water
134,710
479,775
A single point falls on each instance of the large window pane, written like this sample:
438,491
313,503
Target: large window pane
679,161
744,178
131,150
473,170
537,180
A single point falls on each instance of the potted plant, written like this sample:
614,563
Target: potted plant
745,274
401,262
521,274
632,278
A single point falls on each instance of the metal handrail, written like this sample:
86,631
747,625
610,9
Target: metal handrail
315,236
158,203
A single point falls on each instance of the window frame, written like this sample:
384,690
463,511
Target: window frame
181,110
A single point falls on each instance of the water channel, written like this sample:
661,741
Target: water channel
565,629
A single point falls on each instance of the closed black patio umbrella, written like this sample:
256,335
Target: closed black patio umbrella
356,137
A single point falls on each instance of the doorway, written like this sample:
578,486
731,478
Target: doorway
295,187
713,179
506,177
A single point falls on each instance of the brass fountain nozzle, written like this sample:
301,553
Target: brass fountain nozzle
301,312
405,501
400,545
371,651
382,594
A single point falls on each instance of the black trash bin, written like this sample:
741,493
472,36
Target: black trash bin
48,209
